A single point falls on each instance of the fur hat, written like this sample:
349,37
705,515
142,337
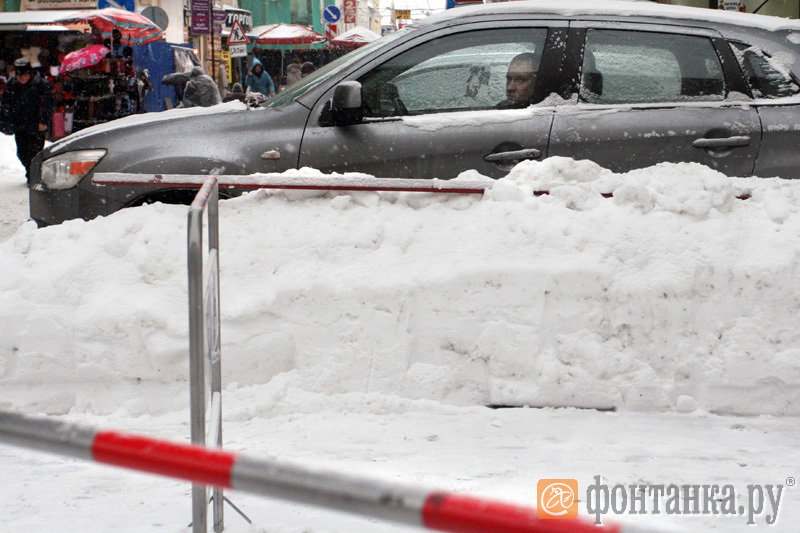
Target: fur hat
22,66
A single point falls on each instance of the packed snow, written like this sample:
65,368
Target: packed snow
643,325
633,8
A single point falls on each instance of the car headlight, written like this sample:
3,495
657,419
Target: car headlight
64,171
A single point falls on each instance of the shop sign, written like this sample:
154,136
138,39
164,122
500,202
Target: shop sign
59,4
219,18
732,5
238,50
201,23
349,7
349,19
242,16
226,58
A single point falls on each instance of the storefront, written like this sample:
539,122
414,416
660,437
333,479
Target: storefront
121,81
35,35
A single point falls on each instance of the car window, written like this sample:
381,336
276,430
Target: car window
767,77
331,69
633,66
466,71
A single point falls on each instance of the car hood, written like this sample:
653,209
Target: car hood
98,136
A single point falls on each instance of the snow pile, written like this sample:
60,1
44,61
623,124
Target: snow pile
673,294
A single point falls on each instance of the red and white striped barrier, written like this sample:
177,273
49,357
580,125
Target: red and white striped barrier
345,182
440,511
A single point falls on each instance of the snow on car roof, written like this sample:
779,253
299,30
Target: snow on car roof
572,8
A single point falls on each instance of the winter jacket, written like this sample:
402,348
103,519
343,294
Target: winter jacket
200,91
293,73
25,106
260,83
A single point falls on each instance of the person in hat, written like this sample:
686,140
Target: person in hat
201,90
307,68
25,111
236,94
258,81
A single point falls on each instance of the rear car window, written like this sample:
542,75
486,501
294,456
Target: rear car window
461,72
767,77
633,66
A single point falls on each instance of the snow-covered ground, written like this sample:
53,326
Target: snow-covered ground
368,332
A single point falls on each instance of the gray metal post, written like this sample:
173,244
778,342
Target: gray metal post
216,361
196,368
207,200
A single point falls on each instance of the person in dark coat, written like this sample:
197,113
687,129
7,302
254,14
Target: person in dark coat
25,111
307,68
201,90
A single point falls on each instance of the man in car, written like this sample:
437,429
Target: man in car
520,81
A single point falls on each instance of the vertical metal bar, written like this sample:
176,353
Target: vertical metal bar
196,362
216,363
213,64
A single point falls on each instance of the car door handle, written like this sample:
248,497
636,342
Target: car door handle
727,142
516,155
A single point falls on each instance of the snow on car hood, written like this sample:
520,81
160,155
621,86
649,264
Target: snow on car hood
150,118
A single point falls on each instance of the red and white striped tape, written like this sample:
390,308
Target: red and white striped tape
440,511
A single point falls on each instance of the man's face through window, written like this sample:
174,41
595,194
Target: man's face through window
521,80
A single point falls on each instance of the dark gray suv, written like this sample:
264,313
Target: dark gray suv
625,84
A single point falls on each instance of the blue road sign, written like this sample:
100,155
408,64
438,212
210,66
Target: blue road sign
127,5
332,14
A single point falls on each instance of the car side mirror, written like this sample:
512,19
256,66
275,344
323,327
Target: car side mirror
346,104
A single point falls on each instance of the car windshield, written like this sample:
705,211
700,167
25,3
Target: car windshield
318,76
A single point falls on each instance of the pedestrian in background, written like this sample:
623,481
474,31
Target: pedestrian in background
237,93
307,68
258,81
25,111
201,90
293,71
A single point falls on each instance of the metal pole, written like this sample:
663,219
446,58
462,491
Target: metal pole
196,368
211,17
216,361
756,10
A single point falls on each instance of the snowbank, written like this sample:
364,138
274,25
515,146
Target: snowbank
672,295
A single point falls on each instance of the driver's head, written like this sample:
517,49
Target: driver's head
521,79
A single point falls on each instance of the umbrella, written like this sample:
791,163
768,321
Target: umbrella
85,57
258,30
290,34
135,28
358,36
